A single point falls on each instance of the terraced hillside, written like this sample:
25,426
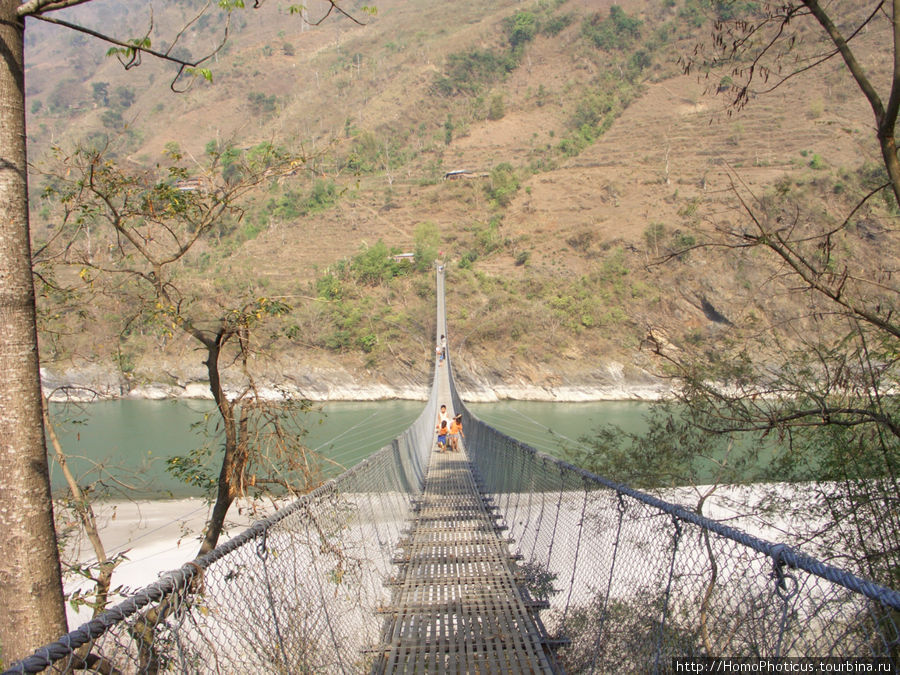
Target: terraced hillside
587,168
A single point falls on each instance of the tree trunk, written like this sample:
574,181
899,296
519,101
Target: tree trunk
891,162
225,493
31,596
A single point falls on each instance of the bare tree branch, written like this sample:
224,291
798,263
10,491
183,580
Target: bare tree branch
35,7
126,45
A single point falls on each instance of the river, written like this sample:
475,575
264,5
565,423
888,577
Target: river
125,443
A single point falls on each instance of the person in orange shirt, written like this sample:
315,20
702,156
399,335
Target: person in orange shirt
442,436
456,432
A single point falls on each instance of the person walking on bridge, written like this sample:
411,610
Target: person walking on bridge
456,432
442,436
443,422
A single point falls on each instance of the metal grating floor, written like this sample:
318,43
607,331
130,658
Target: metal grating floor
457,606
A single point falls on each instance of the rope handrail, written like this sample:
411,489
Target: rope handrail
645,580
780,552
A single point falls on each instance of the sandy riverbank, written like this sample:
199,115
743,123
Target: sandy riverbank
159,536
153,536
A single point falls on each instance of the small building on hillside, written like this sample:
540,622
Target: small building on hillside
197,184
464,173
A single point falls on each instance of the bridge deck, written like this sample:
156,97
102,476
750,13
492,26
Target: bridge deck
457,604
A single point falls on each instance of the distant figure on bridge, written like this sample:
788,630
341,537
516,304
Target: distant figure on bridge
437,353
442,436
456,432
443,348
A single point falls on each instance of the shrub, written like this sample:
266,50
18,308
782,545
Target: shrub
323,195
261,104
617,31
374,265
468,72
427,239
329,287
556,24
520,28
496,109
503,184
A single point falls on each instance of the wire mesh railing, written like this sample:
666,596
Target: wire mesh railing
633,581
296,592
630,581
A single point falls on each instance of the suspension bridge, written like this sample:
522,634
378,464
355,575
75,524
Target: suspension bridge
493,559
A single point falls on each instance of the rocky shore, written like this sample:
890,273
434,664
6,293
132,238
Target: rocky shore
609,382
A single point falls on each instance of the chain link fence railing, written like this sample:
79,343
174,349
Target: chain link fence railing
633,581
630,581
297,592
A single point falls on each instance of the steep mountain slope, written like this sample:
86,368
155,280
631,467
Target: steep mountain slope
551,286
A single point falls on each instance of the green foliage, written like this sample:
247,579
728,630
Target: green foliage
427,240
697,12
503,185
66,95
194,469
595,113
488,238
615,32
112,120
375,265
205,73
593,108
468,72
682,240
496,109
130,53
329,287
367,342
653,236
123,96
673,451
733,10
520,28
556,24
323,195
370,152
261,104
100,93
353,319
692,13
287,207
172,150
448,130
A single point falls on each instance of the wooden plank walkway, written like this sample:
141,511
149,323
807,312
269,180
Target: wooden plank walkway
457,605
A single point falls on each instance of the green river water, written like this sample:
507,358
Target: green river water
129,440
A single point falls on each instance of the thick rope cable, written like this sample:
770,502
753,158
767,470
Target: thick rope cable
389,481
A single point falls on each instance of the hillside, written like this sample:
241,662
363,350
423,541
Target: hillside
588,164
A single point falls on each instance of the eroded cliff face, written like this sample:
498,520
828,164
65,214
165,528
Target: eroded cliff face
327,379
